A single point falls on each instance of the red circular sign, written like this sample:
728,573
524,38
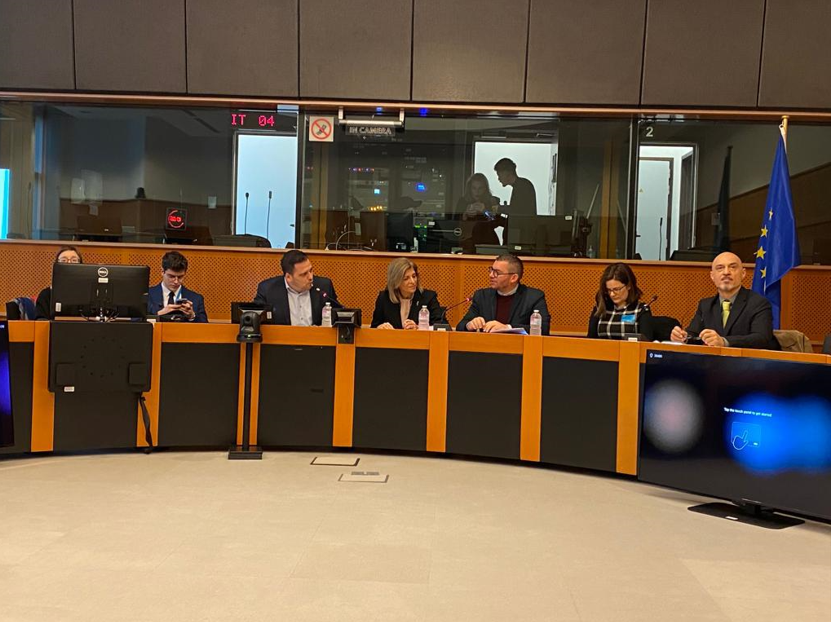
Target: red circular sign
321,129
176,219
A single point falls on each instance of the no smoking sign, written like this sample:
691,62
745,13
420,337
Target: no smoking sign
320,129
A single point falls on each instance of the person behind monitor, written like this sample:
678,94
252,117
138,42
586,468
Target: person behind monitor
297,298
735,316
481,208
618,310
171,298
398,305
507,303
43,304
523,196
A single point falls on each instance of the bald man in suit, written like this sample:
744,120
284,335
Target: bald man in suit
735,317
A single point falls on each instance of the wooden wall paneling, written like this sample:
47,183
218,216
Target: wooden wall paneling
585,51
796,55
130,45
225,275
247,47
36,44
703,53
357,49
469,50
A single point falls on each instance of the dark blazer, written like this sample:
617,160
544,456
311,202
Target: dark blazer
525,301
43,304
387,311
273,292
156,302
750,324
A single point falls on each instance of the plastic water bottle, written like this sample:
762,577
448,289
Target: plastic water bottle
536,323
326,319
424,318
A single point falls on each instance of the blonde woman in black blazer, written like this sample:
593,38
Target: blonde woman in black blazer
398,305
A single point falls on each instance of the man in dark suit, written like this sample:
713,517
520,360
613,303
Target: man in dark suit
735,316
298,297
170,299
507,303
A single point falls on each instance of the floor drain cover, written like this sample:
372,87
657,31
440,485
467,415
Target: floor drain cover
372,477
336,461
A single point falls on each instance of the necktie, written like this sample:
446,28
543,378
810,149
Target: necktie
725,311
171,299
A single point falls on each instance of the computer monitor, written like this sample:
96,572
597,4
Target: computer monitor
400,231
444,235
99,292
99,228
752,431
6,419
544,235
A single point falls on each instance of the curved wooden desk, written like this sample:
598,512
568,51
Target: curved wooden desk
560,401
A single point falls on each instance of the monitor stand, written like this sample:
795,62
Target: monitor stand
751,514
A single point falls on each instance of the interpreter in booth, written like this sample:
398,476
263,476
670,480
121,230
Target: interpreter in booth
507,303
735,317
523,195
170,300
618,310
399,304
43,304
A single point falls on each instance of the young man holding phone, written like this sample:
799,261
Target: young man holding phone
170,299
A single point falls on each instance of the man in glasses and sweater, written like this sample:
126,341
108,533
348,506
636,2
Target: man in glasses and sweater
507,303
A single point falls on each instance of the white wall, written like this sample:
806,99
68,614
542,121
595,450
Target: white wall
676,154
267,163
533,161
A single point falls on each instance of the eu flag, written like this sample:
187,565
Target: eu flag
778,249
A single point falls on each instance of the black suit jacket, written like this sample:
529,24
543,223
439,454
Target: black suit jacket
750,324
525,301
387,311
273,292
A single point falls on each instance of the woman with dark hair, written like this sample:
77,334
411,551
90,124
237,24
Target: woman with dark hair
67,254
618,310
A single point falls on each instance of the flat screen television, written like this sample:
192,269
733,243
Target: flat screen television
6,420
756,432
96,291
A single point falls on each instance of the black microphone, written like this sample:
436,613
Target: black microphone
648,305
245,222
325,297
453,306
268,215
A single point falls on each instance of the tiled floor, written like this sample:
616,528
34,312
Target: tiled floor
192,536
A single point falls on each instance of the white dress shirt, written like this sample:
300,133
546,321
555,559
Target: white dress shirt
177,294
300,307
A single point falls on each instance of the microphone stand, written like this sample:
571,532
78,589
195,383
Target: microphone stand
245,222
268,217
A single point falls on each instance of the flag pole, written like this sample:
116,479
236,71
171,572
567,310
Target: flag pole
783,129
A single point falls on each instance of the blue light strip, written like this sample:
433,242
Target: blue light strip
5,177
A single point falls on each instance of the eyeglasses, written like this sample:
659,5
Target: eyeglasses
493,272
69,260
616,290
